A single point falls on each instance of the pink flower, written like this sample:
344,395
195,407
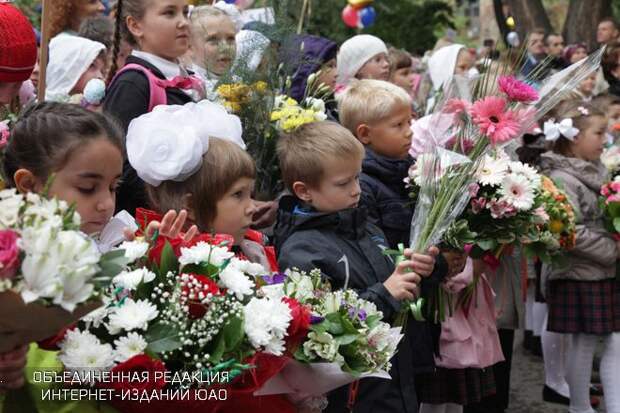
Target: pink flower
516,90
4,134
473,189
613,198
540,212
9,253
457,106
478,205
605,190
501,209
615,186
491,116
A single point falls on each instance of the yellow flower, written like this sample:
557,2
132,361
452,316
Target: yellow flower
556,226
260,86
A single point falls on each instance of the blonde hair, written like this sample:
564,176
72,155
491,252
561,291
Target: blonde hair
223,165
303,152
200,13
368,101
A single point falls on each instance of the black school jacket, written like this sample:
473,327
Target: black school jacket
309,240
126,99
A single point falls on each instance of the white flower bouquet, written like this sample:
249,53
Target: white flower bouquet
50,273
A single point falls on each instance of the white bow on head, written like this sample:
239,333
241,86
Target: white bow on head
553,130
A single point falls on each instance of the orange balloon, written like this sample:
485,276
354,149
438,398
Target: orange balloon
359,4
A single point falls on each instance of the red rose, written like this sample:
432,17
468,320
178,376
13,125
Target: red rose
206,286
139,364
9,253
157,249
298,328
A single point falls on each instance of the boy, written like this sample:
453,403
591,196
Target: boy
379,115
320,226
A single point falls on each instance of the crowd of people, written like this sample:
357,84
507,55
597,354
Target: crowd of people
343,182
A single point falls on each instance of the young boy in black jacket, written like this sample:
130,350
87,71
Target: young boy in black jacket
379,114
321,226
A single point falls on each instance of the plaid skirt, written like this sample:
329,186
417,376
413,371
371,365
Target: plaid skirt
589,307
459,386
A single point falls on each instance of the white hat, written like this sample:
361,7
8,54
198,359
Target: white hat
69,57
442,63
168,143
354,53
251,46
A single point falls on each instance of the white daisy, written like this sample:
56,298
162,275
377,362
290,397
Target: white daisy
266,322
86,355
204,252
134,249
132,315
492,170
236,282
129,346
524,169
130,280
517,191
251,268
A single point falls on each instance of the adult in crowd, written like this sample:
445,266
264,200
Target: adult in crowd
535,52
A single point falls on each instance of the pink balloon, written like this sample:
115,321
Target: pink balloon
350,16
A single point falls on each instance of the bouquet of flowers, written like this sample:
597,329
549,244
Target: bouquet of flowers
347,338
611,159
610,204
190,310
288,114
50,273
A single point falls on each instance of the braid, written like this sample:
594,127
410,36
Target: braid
117,39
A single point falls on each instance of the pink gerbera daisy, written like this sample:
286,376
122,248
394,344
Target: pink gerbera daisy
457,106
516,90
497,123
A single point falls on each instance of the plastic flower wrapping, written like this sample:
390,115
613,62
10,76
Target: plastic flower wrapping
610,204
347,338
472,120
50,272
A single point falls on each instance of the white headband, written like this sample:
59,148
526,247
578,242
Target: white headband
168,143
554,130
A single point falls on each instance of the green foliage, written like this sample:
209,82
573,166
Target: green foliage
162,337
407,24
30,8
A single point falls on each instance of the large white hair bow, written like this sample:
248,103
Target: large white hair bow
553,130
168,143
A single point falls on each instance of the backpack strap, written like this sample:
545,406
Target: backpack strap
157,86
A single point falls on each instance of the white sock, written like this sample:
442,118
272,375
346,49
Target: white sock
529,306
579,371
433,408
540,313
555,349
610,373
454,408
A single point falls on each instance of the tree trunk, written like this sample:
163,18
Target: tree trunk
500,17
529,15
582,20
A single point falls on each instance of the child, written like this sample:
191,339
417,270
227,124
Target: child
213,44
83,151
584,297
68,15
363,57
585,89
401,70
18,52
610,105
73,62
159,32
211,176
321,226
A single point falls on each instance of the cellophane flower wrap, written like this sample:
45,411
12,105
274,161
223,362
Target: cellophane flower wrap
610,204
476,119
347,337
188,310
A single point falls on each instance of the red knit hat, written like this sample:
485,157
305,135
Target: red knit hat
18,47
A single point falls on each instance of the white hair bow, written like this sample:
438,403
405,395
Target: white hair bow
553,130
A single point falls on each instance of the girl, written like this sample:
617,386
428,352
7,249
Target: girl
159,32
585,89
584,297
401,70
213,44
214,185
363,57
68,15
82,150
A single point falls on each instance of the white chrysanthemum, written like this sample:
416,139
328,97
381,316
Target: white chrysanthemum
236,282
86,359
134,249
75,339
266,322
132,315
95,318
248,267
524,169
204,252
517,191
131,279
129,346
492,170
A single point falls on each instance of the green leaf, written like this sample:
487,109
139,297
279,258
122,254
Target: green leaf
169,261
487,244
233,333
373,320
112,263
347,325
334,324
162,337
346,339
617,224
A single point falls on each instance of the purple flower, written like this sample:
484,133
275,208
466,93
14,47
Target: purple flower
316,319
353,312
277,278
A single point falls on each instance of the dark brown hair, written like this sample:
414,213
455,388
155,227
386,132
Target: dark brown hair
47,133
223,164
575,110
399,59
124,9
610,60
